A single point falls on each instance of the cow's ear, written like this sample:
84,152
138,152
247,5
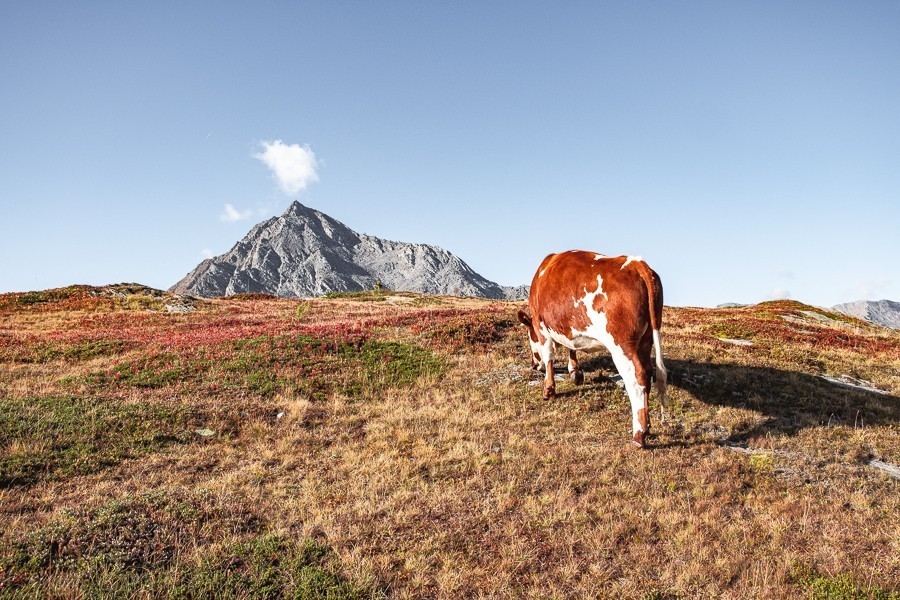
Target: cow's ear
524,319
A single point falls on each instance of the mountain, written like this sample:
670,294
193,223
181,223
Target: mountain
305,253
883,312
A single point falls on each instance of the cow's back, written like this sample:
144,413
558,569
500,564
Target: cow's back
570,288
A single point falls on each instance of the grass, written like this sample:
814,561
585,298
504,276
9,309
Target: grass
137,545
361,296
841,587
396,448
266,365
58,437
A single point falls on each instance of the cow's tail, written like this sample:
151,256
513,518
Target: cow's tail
655,293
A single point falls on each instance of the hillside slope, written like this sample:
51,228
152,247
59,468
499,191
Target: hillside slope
393,444
306,253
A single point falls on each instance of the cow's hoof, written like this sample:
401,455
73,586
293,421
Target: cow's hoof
549,393
638,439
578,377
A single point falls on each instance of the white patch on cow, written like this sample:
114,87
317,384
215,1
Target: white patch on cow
541,274
597,335
599,256
536,351
599,292
631,259
545,350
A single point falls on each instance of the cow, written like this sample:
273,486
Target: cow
587,301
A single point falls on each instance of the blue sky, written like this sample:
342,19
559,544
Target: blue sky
746,150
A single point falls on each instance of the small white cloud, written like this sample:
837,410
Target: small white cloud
232,214
778,294
206,253
294,166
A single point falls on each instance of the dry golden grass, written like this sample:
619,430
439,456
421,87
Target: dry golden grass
455,481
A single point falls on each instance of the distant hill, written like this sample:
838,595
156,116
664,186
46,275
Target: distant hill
306,253
883,312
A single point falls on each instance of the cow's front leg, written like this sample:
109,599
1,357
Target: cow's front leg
574,370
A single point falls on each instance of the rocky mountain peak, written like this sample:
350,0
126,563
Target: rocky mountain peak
305,253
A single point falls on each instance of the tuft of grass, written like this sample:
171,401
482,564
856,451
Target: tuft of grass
301,310
54,437
762,463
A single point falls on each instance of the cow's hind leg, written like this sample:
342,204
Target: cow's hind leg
644,372
574,369
636,378
547,350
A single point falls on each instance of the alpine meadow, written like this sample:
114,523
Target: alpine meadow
375,444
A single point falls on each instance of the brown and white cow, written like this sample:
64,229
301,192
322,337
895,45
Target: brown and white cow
586,301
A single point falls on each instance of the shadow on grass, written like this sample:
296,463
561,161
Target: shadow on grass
789,400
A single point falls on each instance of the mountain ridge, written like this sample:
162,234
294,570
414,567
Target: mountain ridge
306,253
882,312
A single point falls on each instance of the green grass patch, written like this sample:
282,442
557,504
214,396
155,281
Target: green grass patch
155,371
54,437
267,566
322,366
43,297
377,365
734,330
93,349
136,547
266,364
141,302
839,587
75,352
49,351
